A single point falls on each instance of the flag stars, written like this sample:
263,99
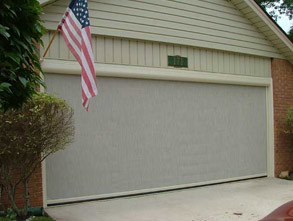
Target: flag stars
81,13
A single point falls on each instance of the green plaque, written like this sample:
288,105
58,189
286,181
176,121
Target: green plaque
177,61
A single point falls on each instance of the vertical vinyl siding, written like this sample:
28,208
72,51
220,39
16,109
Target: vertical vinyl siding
153,54
214,25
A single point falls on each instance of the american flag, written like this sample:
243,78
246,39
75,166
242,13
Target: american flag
75,28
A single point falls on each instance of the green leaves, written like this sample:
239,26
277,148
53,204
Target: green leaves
23,80
288,122
16,30
5,86
14,56
3,31
20,32
284,7
291,33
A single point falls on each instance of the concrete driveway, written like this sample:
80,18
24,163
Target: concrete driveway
244,200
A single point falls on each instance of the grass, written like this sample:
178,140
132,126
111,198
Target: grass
36,218
41,218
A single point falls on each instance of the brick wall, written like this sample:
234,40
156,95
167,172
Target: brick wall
35,190
282,74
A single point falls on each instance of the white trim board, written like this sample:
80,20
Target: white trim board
270,130
124,71
129,193
44,183
46,2
43,164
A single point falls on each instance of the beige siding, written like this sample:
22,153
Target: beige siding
151,54
209,24
255,19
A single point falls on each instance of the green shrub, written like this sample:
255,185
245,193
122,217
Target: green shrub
20,32
10,216
28,135
288,122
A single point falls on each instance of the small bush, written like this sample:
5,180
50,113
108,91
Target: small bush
288,122
28,135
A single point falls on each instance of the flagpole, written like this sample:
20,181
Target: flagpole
51,41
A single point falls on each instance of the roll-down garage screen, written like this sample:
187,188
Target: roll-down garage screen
145,134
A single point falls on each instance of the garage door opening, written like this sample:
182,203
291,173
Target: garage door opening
148,135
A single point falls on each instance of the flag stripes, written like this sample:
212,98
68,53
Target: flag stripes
76,33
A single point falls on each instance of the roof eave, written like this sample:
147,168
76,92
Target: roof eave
267,20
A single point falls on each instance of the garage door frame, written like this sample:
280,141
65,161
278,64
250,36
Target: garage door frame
123,71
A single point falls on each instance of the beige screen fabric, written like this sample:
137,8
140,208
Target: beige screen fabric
143,134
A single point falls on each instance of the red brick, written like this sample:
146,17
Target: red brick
35,190
282,75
